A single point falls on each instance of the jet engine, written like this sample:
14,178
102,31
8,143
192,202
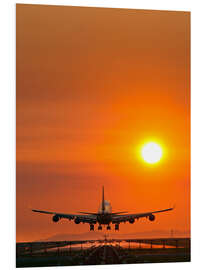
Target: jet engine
55,218
131,220
151,217
77,220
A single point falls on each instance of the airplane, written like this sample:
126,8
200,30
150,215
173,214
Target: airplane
104,216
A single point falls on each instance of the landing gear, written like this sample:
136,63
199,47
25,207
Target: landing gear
91,227
108,227
99,227
116,227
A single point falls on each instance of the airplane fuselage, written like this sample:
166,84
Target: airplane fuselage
105,218
104,214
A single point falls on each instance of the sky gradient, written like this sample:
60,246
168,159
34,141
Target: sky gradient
93,85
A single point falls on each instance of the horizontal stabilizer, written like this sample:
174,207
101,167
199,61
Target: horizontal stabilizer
97,214
116,213
87,213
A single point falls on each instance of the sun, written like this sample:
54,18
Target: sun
151,152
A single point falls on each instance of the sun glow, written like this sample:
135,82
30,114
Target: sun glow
151,152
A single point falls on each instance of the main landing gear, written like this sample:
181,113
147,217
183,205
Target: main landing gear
91,227
100,227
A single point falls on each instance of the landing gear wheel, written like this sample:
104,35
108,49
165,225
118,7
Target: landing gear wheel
99,227
116,227
91,227
108,227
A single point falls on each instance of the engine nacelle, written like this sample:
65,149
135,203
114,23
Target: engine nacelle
151,217
77,220
131,220
55,218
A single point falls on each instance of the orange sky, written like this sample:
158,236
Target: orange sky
92,85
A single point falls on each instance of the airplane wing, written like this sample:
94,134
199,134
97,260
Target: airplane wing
76,218
132,217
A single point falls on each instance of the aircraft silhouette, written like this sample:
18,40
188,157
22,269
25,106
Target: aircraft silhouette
104,216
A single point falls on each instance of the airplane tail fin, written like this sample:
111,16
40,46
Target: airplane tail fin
103,206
